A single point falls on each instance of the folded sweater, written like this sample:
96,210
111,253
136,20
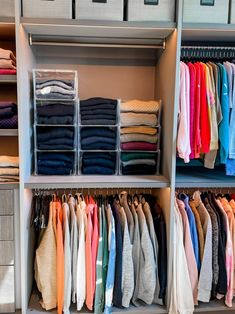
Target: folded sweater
9,161
139,146
9,171
7,64
134,119
140,106
7,54
138,138
139,129
141,162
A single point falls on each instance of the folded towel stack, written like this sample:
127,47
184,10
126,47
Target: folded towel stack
8,115
55,113
139,132
98,111
98,163
9,169
7,62
98,134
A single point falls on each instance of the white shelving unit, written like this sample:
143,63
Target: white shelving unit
143,61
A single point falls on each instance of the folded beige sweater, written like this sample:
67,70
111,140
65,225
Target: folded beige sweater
138,138
7,64
9,161
7,54
9,171
135,119
140,106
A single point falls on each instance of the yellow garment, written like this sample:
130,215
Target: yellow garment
45,266
151,106
139,130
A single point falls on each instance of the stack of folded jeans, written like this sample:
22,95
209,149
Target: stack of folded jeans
98,111
98,163
9,169
8,115
7,62
142,163
55,138
55,163
49,88
98,138
139,133
55,113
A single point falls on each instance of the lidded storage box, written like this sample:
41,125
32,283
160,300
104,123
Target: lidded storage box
206,11
47,8
99,10
7,8
151,10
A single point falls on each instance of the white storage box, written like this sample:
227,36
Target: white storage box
206,11
232,12
47,8
7,8
99,10
151,10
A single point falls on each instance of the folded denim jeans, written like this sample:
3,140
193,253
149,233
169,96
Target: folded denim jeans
98,140
95,155
98,146
54,170
137,170
58,141
99,162
98,131
55,147
65,156
97,170
47,133
66,120
99,122
54,163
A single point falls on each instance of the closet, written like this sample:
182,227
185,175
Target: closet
118,60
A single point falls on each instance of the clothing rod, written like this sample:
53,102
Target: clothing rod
96,45
208,47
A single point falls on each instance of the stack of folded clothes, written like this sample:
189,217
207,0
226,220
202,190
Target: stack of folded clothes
9,169
98,163
55,163
49,88
139,132
7,62
8,115
98,138
55,138
98,111
134,163
55,113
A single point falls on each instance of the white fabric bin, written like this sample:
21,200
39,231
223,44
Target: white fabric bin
47,8
99,10
151,10
7,8
206,11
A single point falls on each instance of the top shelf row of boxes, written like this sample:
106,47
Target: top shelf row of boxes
195,11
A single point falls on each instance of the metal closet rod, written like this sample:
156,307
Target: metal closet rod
33,42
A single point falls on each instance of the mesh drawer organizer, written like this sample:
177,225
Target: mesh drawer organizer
55,122
98,143
140,137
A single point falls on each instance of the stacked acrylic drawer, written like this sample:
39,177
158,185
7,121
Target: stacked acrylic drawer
140,137
98,134
55,122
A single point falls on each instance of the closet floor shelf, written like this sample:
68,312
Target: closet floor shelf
96,181
203,178
8,79
8,132
208,32
214,307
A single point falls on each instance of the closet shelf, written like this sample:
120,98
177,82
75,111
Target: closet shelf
208,32
203,178
8,79
7,28
35,182
8,132
9,185
97,32
215,306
